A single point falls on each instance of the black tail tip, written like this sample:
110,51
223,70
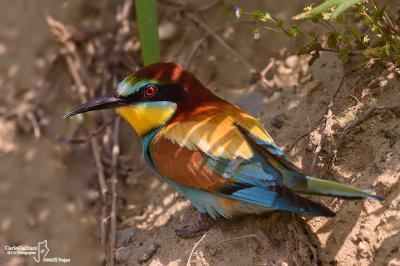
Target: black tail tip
378,198
329,213
325,211
373,196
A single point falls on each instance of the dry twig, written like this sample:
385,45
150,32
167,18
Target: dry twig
194,50
181,6
208,6
115,53
171,3
92,133
328,125
264,80
194,247
114,182
74,61
192,15
221,41
35,124
103,187
43,122
77,70
360,119
204,38
303,136
243,237
122,16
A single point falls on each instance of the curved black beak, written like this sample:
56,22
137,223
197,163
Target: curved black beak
110,100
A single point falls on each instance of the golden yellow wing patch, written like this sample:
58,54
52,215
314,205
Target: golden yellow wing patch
213,131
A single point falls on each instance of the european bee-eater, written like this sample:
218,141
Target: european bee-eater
211,151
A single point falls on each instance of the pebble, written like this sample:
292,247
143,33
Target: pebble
122,254
292,61
92,195
166,30
148,253
361,246
276,122
124,236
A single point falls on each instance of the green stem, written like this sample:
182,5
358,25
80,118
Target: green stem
373,21
357,37
280,27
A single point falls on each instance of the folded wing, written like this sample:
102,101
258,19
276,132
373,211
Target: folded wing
207,161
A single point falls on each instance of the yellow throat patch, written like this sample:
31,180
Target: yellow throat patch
146,116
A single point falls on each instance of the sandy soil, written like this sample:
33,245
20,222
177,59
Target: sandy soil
49,192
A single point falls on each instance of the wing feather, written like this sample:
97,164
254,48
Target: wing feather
228,154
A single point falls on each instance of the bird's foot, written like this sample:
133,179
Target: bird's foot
203,223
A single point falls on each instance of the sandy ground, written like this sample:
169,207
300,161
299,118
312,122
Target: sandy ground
48,192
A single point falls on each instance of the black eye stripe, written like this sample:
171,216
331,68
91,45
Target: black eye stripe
169,92
163,92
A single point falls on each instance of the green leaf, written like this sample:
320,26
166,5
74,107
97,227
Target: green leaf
148,30
361,42
358,45
307,8
332,41
311,33
371,52
343,53
380,43
294,30
278,23
343,6
385,51
266,17
360,9
375,29
315,18
344,38
303,50
314,57
319,9
342,20
326,15
315,45
257,15
395,38
396,57
379,13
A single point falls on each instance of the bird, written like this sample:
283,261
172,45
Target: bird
211,151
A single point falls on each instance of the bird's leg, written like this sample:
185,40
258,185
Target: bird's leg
203,223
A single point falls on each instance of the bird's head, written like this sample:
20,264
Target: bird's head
148,98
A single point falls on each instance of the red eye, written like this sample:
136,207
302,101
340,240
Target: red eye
150,91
